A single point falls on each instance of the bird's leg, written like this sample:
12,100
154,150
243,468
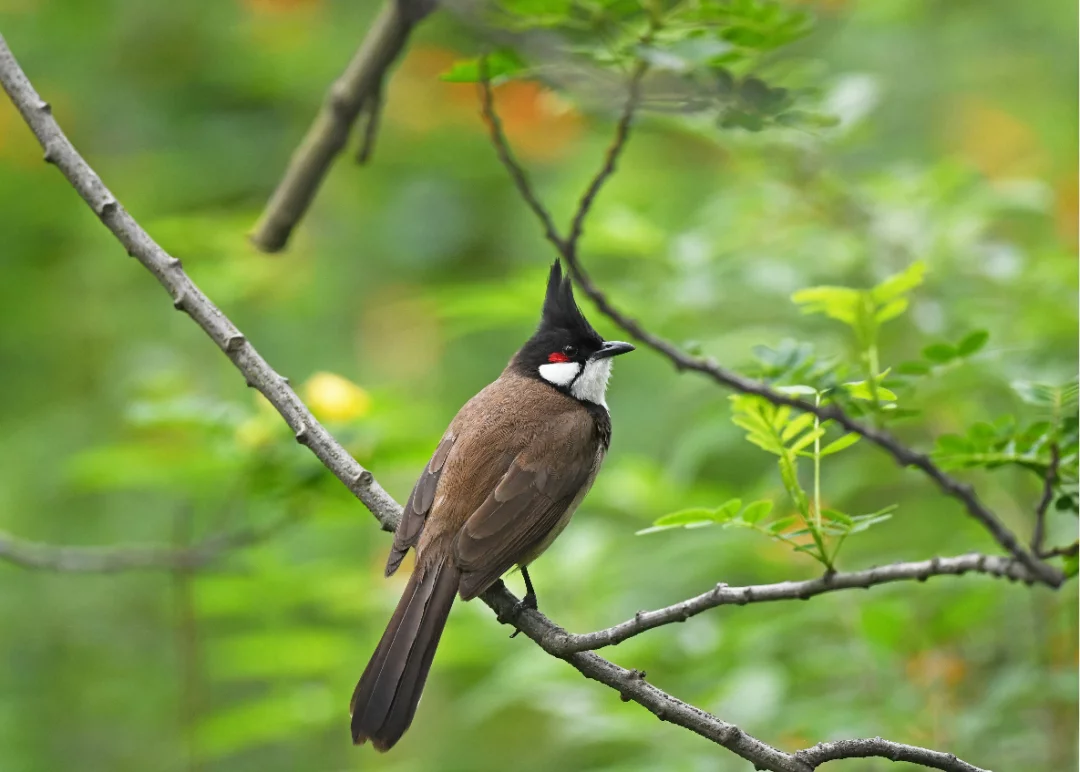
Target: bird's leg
528,602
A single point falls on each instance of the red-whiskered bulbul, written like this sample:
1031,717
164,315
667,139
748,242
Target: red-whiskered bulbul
507,475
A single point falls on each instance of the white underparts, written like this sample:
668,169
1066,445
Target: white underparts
591,385
560,373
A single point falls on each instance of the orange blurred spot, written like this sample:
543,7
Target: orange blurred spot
538,123
997,142
936,668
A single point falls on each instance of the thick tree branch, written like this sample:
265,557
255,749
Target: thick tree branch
630,684
359,88
722,595
186,296
567,249
114,559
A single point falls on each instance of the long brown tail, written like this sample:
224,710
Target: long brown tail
386,696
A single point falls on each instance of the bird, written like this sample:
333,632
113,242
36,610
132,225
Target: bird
503,482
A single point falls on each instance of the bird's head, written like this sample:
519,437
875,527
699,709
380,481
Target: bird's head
565,351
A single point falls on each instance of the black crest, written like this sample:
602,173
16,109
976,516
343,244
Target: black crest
561,312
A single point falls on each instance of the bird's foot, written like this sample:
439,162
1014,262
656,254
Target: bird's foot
528,602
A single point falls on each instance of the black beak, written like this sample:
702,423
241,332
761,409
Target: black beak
612,348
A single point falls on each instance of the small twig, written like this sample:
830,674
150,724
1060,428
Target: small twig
506,155
373,106
1058,552
722,595
611,157
114,559
356,87
1039,536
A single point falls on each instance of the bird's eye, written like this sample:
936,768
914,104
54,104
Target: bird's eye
570,351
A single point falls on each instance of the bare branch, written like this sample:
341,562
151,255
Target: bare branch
622,134
506,155
1057,552
902,454
189,298
630,684
1039,536
357,87
722,595
861,749
114,559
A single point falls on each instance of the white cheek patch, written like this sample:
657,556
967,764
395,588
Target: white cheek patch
592,385
560,373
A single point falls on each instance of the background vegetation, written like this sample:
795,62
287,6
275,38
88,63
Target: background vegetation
407,288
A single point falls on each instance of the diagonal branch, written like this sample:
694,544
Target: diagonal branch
722,595
567,249
358,89
114,559
631,685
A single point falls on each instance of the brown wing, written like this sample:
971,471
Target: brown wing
514,520
418,506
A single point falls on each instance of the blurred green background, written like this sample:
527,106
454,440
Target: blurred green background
415,279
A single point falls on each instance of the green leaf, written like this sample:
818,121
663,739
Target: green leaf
781,525
862,390
501,65
891,310
727,511
940,353
841,444
836,516
807,438
1070,565
899,284
796,427
685,517
913,368
840,303
972,343
757,511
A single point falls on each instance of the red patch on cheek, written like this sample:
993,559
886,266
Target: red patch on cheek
557,357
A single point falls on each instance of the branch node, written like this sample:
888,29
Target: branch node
302,434
179,300
364,479
108,207
234,342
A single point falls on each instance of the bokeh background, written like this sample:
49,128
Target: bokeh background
407,288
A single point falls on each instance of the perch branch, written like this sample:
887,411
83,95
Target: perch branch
722,595
358,89
567,249
630,684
